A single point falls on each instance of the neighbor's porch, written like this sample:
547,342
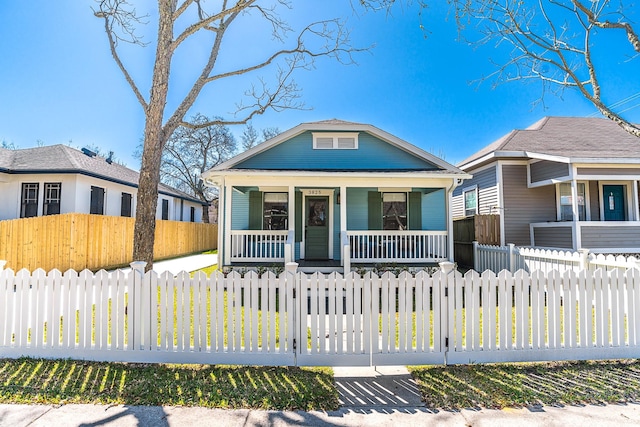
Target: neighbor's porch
601,215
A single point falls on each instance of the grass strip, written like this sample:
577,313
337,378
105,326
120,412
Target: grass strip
41,381
528,384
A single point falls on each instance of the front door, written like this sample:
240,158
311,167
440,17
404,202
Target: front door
614,202
317,228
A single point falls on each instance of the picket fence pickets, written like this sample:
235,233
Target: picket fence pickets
513,258
317,319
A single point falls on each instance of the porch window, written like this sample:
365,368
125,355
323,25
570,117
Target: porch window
29,205
471,201
394,211
566,208
52,198
275,211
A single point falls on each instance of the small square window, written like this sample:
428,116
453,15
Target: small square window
471,202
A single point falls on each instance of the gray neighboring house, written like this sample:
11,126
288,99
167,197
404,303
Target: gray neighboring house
564,182
59,179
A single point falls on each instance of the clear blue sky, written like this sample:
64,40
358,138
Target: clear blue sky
58,82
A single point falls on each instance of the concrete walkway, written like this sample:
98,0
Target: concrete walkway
187,263
368,397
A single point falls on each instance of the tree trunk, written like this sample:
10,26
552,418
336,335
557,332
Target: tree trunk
205,213
155,137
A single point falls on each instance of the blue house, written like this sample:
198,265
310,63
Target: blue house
334,194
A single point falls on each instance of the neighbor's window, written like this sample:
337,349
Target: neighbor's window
566,208
29,205
470,202
97,201
125,205
394,211
165,209
52,198
193,214
276,212
335,141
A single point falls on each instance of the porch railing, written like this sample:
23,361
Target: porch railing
397,246
258,245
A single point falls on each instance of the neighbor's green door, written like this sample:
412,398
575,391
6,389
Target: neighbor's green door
317,228
614,203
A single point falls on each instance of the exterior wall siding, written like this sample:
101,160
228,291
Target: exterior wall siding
594,200
240,210
610,237
298,154
488,201
553,237
545,170
357,208
434,211
523,205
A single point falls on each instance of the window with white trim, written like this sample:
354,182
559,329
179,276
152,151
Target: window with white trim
394,211
335,141
470,201
275,211
29,203
565,211
51,198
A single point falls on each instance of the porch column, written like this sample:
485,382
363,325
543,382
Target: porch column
221,232
292,219
228,192
635,201
577,241
343,220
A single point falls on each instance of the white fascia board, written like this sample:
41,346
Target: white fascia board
549,157
495,155
213,175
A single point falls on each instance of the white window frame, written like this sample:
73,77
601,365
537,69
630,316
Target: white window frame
464,200
587,210
335,136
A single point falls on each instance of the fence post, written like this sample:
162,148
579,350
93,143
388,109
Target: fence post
135,312
584,258
512,257
291,269
476,262
2,264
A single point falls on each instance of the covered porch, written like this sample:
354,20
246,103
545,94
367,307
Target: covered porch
336,226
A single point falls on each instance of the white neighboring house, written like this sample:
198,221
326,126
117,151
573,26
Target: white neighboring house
59,179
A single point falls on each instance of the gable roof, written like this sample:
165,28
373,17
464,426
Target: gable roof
63,159
575,139
336,125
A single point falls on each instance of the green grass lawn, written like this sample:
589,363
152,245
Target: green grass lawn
36,381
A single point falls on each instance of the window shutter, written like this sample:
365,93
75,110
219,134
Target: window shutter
298,213
375,210
255,210
415,210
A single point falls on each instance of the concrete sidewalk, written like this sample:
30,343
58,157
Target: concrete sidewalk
187,263
125,416
368,397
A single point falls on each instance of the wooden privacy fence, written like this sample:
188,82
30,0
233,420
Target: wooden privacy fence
79,241
484,229
298,319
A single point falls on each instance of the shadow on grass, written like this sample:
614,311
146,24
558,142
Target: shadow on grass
65,381
529,384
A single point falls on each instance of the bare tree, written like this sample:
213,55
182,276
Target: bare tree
558,43
179,21
191,151
250,136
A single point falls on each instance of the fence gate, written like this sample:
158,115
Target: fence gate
370,320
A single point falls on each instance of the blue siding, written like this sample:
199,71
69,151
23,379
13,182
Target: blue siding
357,208
372,154
434,212
240,211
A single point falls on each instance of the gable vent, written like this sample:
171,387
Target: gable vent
335,141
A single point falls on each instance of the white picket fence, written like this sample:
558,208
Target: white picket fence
298,319
513,258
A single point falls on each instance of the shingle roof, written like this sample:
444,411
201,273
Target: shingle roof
572,137
63,159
